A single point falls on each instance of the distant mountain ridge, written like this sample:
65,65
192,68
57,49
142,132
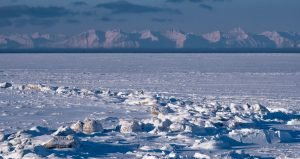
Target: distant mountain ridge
147,39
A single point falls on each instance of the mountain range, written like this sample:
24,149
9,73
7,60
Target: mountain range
147,39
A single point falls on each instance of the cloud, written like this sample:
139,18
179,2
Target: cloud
5,23
161,20
205,6
107,19
79,3
21,15
73,21
195,1
16,11
13,1
42,22
88,13
34,22
175,1
220,0
121,7
180,1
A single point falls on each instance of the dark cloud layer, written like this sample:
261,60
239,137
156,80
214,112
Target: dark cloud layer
206,6
194,1
21,15
175,1
5,22
34,22
73,21
124,7
79,3
74,16
203,3
15,11
161,20
108,19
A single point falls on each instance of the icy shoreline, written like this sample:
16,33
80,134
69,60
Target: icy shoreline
173,128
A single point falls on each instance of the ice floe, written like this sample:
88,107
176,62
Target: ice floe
294,122
201,156
175,128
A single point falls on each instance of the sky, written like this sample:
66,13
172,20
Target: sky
198,16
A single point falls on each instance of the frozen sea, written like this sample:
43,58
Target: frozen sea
272,80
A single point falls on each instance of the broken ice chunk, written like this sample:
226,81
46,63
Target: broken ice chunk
249,136
63,131
62,142
88,126
201,156
78,126
5,85
91,126
129,126
2,136
293,122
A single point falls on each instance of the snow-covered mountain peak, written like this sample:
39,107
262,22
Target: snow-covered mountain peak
147,34
88,39
278,39
113,35
213,36
90,32
270,34
177,36
237,30
3,40
38,35
174,38
118,39
237,33
23,40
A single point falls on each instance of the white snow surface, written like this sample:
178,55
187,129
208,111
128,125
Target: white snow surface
149,105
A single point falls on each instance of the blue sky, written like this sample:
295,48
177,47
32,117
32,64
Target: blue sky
199,16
